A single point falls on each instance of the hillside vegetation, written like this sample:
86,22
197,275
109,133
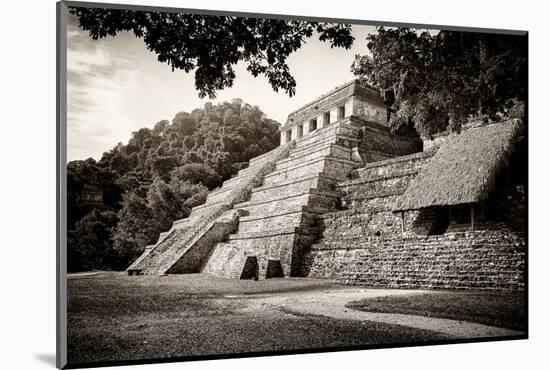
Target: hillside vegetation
120,204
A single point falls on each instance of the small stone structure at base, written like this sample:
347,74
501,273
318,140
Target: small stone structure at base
326,204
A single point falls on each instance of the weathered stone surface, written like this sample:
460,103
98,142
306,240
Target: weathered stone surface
322,207
484,259
197,254
188,243
281,224
369,245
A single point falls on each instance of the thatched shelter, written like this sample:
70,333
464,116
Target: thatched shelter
464,169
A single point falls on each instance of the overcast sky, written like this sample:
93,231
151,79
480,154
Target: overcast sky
116,86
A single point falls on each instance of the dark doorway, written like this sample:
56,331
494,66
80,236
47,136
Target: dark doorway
441,221
250,269
432,221
274,269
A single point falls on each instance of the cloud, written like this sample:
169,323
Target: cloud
97,80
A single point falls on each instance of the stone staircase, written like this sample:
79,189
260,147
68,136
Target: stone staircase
367,244
282,214
187,244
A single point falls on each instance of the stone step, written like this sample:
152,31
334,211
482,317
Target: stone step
459,282
246,172
356,181
483,225
159,251
393,245
273,181
300,169
304,209
373,204
338,168
322,146
294,186
291,202
262,157
254,166
306,148
275,232
371,156
333,167
409,277
342,140
368,188
198,210
323,200
220,196
332,151
430,283
378,195
222,189
181,222
345,131
385,167
278,220
489,259
237,180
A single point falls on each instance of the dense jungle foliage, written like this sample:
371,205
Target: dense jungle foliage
121,203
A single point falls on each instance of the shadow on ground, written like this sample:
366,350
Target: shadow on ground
115,317
46,358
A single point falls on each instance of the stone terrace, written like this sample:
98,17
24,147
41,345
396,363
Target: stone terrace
283,211
367,244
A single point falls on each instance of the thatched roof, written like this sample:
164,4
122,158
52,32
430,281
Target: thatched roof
464,168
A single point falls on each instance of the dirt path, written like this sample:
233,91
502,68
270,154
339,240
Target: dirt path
332,303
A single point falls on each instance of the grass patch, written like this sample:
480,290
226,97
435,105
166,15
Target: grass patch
113,317
505,310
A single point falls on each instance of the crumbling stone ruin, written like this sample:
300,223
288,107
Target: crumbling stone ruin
345,198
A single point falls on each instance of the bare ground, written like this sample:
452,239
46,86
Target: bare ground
115,317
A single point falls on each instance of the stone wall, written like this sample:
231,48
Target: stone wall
483,259
379,143
365,243
365,108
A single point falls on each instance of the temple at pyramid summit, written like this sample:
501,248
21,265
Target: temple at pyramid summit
345,198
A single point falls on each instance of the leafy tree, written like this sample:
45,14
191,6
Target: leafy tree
137,226
440,80
197,173
101,179
174,200
213,45
90,244
163,165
